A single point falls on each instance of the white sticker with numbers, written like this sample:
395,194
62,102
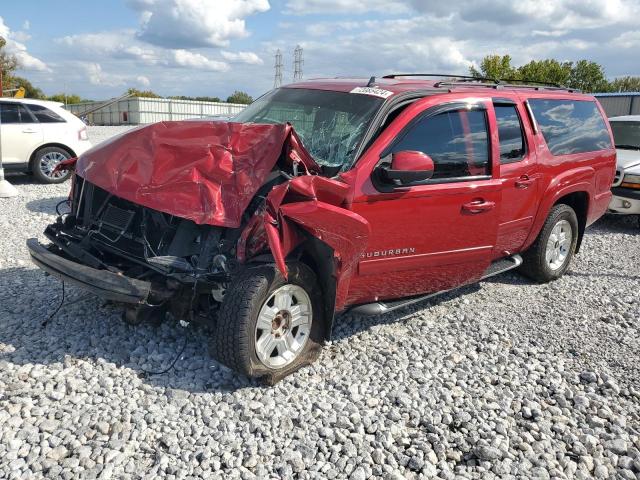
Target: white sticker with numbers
376,92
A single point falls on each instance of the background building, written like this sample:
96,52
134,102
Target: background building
621,103
138,110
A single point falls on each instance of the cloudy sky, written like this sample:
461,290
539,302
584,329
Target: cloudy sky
212,47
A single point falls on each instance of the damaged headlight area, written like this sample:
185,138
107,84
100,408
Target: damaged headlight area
182,263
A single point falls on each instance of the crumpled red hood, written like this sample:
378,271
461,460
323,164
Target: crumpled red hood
204,171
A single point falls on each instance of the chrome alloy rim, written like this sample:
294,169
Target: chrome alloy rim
48,162
559,244
283,326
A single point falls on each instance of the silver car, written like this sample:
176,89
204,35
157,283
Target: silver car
626,185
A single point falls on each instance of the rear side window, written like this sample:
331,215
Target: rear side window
44,115
571,126
456,141
509,133
14,113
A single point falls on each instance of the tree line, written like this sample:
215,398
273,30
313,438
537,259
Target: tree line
584,75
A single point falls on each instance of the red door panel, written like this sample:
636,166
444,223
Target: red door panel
520,181
431,237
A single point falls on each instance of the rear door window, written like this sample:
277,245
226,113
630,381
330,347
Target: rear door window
45,115
512,147
571,126
14,113
456,140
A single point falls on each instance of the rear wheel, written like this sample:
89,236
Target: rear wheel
269,326
550,255
44,162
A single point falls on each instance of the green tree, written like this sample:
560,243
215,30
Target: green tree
549,71
8,63
625,84
66,98
494,66
31,91
134,92
588,76
240,97
585,75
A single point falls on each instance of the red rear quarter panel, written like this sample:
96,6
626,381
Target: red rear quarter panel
561,175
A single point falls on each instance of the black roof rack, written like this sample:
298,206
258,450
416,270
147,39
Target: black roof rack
484,81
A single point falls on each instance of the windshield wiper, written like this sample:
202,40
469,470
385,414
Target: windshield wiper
628,147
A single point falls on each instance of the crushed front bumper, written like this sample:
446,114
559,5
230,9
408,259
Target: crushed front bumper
108,285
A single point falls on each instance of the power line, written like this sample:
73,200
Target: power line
277,82
298,61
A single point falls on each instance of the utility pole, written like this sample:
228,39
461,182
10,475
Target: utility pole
6,189
297,64
277,82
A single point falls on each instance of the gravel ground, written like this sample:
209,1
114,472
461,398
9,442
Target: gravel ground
506,379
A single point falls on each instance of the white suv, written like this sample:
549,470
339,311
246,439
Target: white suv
626,186
37,135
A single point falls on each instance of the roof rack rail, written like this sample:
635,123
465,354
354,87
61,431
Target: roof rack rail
485,81
446,75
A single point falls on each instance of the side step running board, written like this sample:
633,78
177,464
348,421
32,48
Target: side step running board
378,308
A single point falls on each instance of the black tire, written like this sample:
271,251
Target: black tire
535,265
234,340
38,169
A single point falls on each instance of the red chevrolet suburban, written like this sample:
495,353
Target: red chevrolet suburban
330,195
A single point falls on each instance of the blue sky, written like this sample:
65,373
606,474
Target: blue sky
98,49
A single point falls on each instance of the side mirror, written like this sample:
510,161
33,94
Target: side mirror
408,166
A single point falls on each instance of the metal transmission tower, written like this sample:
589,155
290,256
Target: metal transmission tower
277,82
297,63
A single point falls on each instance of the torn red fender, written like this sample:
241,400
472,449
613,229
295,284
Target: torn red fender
203,171
64,165
310,204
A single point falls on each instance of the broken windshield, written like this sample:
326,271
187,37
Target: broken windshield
330,124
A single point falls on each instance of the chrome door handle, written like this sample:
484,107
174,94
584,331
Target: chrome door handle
478,206
524,182
29,130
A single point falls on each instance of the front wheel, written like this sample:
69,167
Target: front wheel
44,162
550,255
269,326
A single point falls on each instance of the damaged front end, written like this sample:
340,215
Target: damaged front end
136,255
165,216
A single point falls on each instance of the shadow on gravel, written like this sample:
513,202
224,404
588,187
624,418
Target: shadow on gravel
45,205
346,325
615,224
90,329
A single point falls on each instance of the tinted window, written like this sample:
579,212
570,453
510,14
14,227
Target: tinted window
509,133
455,140
10,113
570,126
626,134
44,115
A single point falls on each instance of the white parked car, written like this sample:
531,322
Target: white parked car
626,186
37,135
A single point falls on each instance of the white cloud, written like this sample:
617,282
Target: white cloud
14,46
628,39
306,7
123,45
142,80
195,23
26,25
242,57
185,58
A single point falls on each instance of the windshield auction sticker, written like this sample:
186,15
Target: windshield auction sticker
376,92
